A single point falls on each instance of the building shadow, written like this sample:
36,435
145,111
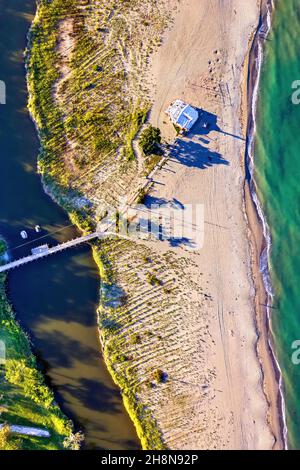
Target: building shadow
207,123
157,221
195,155
191,149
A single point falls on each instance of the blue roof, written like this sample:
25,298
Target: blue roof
187,118
182,114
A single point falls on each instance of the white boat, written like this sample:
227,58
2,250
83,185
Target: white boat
24,234
37,228
40,250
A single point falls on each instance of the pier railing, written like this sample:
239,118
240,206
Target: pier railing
50,251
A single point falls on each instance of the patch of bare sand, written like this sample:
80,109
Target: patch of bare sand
65,47
202,61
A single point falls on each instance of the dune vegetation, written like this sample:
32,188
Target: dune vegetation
25,399
89,96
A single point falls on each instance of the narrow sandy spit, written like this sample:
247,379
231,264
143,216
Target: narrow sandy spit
204,60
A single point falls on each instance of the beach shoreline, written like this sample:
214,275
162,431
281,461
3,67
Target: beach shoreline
260,240
244,97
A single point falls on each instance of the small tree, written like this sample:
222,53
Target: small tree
74,441
150,140
159,376
7,442
2,247
136,338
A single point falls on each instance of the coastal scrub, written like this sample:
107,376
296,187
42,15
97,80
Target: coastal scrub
87,95
25,399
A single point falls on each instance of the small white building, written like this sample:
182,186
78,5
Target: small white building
183,115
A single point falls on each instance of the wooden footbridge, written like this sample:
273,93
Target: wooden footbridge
103,230
52,250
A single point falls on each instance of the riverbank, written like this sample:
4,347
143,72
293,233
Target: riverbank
25,400
55,300
116,361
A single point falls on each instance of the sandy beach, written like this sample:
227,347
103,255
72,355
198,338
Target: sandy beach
204,61
184,329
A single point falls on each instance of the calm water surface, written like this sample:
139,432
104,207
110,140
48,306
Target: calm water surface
55,299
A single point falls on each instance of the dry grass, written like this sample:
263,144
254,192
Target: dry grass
152,334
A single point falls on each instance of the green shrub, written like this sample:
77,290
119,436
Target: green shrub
19,373
2,247
150,140
159,376
153,280
8,441
136,338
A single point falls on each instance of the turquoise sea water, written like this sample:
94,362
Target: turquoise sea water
277,173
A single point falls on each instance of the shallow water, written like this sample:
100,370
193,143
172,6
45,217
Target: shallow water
277,153
55,298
